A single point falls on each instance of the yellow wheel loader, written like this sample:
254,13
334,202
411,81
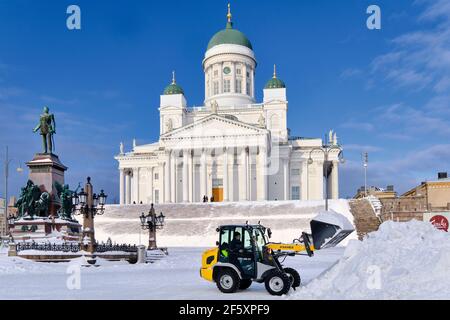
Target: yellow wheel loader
244,254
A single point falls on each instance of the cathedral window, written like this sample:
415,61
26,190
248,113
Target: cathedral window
156,176
295,195
226,86
238,71
216,87
156,200
216,73
248,88
238,86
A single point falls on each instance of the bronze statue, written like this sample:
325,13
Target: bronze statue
47,128
65,194
32,202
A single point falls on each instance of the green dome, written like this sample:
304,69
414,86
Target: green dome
173,88
275,83
229,36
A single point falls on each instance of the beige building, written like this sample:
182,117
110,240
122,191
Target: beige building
436,192
380,193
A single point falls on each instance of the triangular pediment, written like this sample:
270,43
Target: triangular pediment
214,126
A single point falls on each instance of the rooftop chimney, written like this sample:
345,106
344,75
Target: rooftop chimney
442,175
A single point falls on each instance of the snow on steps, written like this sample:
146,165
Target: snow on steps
365,218
195,224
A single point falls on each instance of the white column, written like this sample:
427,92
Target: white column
225,175
128,188
286,179
122,187
244,79
167,179
262,162
243,176
173,176
185,176
151,170
191,177
335,181
221,78
233,79
249,175
252,84
203,175
136,185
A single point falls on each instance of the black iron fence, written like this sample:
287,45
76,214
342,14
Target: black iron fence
74,247
115,247
64,247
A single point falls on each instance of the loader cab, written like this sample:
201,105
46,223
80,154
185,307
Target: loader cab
242,246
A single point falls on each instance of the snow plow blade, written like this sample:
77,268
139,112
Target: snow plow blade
329,228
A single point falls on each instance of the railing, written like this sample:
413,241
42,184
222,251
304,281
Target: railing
74,247
66,247
115,247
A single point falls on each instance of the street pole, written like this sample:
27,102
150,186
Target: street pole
326,179
7,161
326,151
152,233
366,163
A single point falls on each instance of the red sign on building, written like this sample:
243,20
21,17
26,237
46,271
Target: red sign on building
440,222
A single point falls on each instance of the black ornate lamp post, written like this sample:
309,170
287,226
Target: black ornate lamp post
327,164
151,222
89,205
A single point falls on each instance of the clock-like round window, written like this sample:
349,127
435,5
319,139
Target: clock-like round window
226,70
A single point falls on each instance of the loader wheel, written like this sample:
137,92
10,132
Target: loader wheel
228,281
245,284
295,277
277,283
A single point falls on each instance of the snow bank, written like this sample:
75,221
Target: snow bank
399,261
194,225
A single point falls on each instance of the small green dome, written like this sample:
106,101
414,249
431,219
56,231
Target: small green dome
229,36
173,88
275,83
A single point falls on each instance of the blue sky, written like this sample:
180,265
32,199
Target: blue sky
384,91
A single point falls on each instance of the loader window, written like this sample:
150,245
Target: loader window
260,242
224,245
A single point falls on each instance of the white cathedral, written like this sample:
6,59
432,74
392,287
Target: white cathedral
232,148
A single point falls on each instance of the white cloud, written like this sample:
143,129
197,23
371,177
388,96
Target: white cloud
420,59
362,148
357,125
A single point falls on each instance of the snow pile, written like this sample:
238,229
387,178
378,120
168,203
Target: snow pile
399,261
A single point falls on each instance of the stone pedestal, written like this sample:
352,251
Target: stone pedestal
45,170
43,228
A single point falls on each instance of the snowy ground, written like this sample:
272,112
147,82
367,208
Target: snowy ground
177,277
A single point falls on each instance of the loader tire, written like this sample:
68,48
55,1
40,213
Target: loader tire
228,281
277,283
245,284
295,277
